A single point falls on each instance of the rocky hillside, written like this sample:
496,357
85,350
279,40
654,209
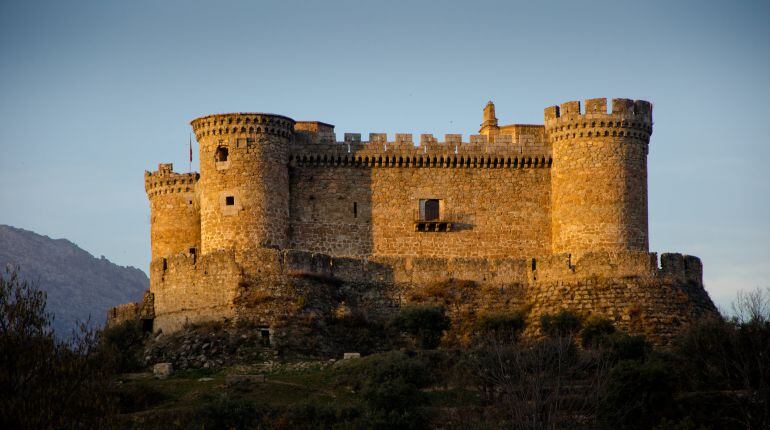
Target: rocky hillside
78,284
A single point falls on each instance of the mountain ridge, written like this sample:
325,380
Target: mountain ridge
77,283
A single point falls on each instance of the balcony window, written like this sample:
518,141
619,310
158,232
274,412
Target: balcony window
432,217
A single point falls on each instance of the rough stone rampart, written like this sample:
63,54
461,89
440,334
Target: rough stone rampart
191,290
122,313
628,288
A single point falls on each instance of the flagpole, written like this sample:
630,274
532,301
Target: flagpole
190,142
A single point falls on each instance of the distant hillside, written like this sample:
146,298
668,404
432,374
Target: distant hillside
78,284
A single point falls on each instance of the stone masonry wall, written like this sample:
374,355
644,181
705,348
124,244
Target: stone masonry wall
599,176
331,210
175,225
122,313
354,199
190,289
626,287
244,187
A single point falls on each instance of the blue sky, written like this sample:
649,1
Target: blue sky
92,93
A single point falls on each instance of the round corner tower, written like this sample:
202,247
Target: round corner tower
174,214
244,186
599,175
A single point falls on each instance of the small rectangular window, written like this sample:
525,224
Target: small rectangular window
431,210
230,200
355,209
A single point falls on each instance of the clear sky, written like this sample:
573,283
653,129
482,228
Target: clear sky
92,93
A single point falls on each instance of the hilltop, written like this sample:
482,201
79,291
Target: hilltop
77,283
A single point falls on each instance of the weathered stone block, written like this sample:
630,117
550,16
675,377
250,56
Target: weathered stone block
162,370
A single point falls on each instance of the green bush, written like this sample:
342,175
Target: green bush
225,412
622,346
562,324
315,416
138,397
48,382
425,323
123,344
595,331
638,395
394,404
357,333
503,326
384,367
729,357
390,385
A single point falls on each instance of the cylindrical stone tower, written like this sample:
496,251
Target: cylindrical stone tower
599,175
244,186
175,225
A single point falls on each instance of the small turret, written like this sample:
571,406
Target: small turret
175,224
489,126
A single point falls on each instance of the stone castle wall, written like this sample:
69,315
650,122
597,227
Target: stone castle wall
627,287
360,211
538,217
189,289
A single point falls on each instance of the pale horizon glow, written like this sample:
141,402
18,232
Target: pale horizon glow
93,93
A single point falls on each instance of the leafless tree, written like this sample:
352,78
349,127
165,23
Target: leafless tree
547,384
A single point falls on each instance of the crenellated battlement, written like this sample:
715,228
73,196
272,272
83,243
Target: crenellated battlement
514,135
166,181
244,123
628,119
414,159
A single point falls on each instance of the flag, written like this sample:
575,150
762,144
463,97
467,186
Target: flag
191,148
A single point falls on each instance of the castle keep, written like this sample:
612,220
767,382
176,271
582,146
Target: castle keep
284,220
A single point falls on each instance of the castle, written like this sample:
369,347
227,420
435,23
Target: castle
536,217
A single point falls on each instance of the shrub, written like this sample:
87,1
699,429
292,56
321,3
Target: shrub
225,412
315,416
562,324
138,397
504,327
380,368
423,322
621,346
390,386
356,333
729,357
541,384
123,344
47,382
638,395
595,331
